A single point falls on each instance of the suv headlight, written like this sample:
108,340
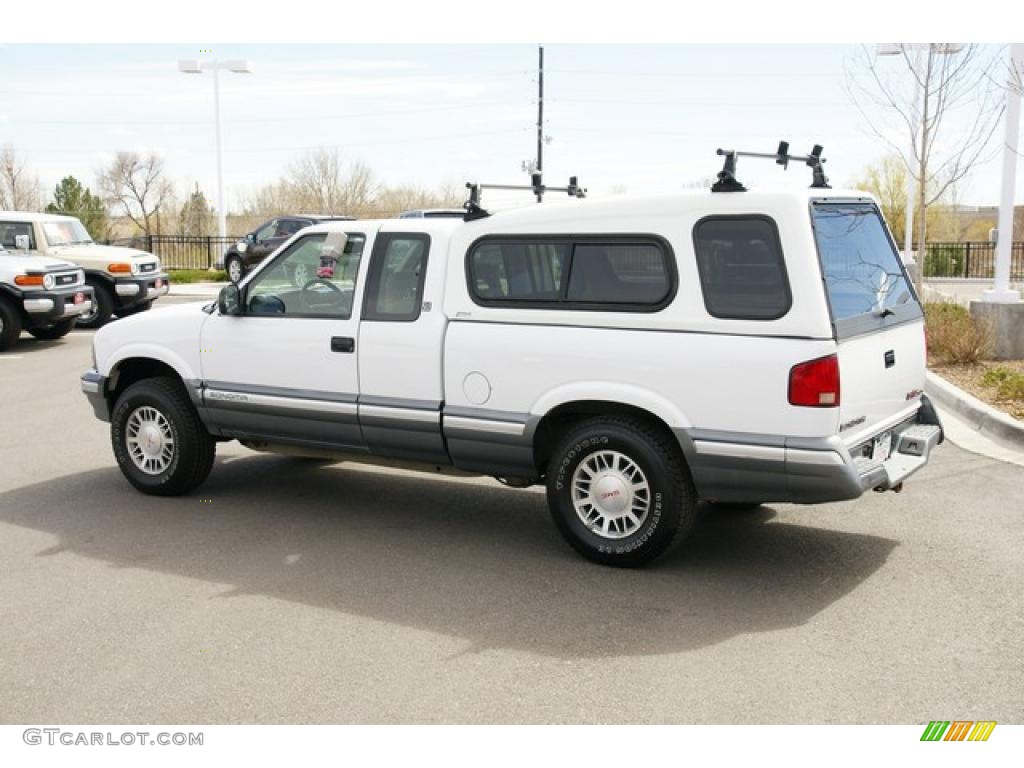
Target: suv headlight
135,267
242,246
48,282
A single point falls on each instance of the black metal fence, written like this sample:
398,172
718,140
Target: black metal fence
971,259
180,251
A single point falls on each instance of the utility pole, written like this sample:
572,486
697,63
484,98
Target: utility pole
540,114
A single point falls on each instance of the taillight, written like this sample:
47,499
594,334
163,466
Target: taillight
815,383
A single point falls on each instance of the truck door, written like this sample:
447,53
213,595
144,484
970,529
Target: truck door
286,369
401,334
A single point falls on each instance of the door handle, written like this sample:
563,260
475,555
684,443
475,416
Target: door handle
343,344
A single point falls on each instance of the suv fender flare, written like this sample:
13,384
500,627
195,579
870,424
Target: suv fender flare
155,353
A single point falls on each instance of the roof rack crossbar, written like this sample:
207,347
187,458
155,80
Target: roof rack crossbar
727,181
474,210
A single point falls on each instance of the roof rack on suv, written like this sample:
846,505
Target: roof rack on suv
475,211
727,181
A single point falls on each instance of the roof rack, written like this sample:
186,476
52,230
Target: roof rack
475,211
727,181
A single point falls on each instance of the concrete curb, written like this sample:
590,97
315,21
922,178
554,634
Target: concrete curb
980,416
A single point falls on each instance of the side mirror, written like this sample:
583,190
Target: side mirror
251,237
229,302
21,242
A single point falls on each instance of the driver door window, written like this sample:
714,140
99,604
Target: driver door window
314,277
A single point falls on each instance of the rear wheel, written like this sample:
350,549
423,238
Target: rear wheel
159,442
10,325
102,306
619,492
55,331
235,268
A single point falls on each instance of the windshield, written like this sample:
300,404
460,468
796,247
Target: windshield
862,271
66,232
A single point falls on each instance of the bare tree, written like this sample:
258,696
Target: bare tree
931,90
135,186
319,184
20,190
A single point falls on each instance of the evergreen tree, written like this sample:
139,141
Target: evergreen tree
71,198
196,215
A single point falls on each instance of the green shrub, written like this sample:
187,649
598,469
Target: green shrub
1011,387
196,275
954,336
995,376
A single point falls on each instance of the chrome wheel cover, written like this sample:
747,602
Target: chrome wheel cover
235,270
610,494
149,440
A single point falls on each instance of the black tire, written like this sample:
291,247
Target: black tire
671,500
55,331
135,310
193,450
234,262
10,325
103,306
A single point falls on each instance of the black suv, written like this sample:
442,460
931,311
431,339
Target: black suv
265,239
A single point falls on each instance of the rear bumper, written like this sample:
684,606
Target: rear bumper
807,470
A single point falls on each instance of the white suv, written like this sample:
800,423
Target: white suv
40,295
124,281
635,354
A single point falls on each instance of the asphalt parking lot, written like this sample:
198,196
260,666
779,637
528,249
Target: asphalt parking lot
297,592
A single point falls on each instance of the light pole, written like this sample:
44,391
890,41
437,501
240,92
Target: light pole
898,49
1000,291
196,67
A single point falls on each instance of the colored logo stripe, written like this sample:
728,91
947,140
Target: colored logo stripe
958,730
982,730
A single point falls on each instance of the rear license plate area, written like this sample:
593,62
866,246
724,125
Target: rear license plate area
881,447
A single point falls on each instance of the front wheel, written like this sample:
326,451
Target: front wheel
159,442
10,325
55,331
619,491
102,306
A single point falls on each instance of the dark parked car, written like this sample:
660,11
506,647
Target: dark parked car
265,239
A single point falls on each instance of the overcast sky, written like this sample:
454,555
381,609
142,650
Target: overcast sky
642,117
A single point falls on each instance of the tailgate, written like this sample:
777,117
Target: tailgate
881,375
879,324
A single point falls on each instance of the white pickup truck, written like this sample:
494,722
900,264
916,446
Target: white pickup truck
637,355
